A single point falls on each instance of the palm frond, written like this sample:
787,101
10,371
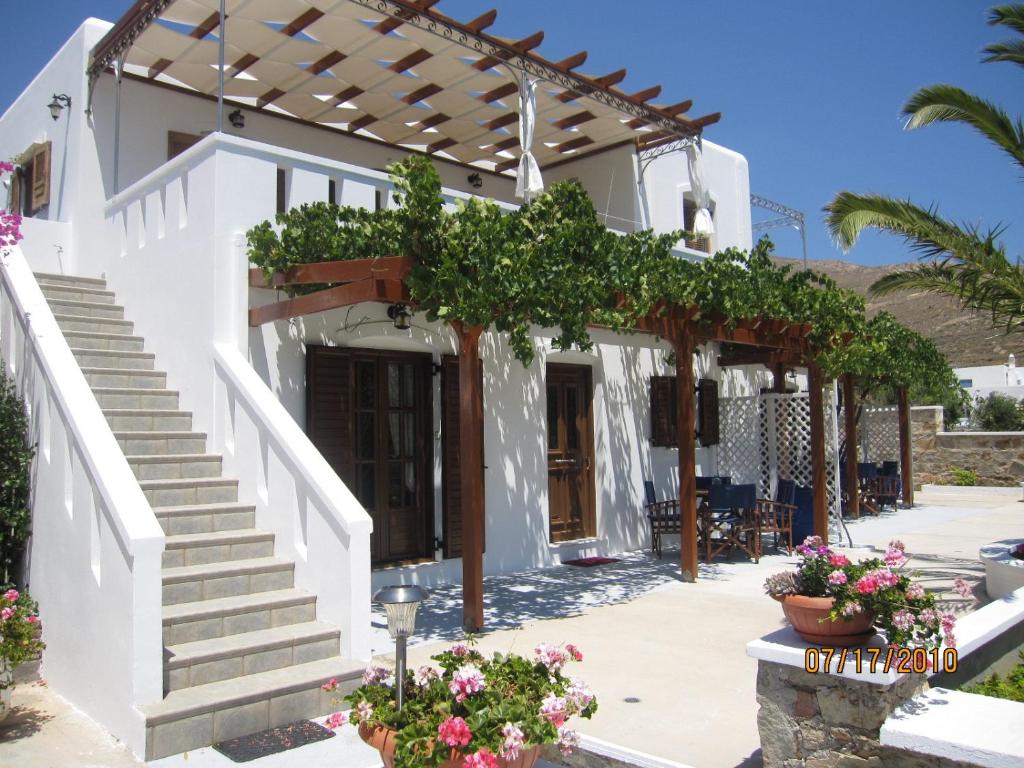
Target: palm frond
1011,16
1010,50
949,104
927,233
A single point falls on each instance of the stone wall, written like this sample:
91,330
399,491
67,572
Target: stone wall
997,457
827,721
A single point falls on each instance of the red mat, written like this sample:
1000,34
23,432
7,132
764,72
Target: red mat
590,562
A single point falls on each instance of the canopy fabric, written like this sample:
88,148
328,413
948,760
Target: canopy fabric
394,70
703,224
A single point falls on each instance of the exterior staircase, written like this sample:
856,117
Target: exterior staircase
243,650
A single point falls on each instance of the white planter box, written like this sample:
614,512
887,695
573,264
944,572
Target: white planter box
1004,573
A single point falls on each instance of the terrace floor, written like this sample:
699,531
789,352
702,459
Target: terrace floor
678,649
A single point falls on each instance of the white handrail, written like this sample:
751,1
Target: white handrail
125,505
306,461
280,155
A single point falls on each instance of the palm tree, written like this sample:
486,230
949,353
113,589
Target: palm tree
961,261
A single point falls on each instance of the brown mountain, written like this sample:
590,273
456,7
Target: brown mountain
965,337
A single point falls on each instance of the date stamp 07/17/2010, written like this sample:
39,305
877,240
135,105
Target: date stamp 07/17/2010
884,660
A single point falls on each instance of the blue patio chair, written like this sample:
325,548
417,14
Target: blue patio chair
663,516
803,517
731,521
776,515
890,468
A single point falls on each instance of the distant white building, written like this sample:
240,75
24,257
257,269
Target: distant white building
982,380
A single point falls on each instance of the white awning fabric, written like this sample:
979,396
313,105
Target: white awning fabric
703,224
394,70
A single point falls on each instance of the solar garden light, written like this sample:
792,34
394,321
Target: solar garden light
400,602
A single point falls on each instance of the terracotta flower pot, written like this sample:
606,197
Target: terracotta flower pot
810,618
383,740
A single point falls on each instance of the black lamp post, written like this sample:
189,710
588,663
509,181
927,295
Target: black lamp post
400,602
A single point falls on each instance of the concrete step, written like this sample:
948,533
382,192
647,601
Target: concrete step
170,467
205,518
115,359
136,397
190,490
76,293
219,547
125,377
148,419
53,279
190,583
106,341
207,661
206,619
165,443
73,321
91,309
202,715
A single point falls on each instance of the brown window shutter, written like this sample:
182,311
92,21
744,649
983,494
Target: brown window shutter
663,411
451,485
329,406
15,202
707,410
40,177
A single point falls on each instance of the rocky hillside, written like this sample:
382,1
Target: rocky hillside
967,339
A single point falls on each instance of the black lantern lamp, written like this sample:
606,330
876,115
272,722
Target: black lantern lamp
400,603
401,316
57,104
237,119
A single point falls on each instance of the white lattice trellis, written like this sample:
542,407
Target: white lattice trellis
878,434
768,436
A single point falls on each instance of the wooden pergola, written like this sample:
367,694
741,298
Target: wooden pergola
776,344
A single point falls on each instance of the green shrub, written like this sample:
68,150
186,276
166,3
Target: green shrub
15,467
964,476
998,413
1010,687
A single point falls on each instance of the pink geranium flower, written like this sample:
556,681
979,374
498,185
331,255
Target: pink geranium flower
837,578
551,657
454,732
466,681
513,744
6,613
482,759
11,595
573,651
567,740
838,561
962,587
553,708
336,720
915,592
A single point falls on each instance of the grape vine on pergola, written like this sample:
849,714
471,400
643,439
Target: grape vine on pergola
553,264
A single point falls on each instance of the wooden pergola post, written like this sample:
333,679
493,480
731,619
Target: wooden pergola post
906,449
471,476
819,481
850,416
683,344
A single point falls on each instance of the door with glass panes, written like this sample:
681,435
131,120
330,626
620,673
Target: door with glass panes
369,413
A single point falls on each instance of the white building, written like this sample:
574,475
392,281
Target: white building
983,380
173,453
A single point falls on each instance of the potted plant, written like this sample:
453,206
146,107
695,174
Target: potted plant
19,640
832,601
472,711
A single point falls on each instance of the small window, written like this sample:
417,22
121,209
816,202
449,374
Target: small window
332,191
178,142
966,383
689,214
378,199
664,432
282,190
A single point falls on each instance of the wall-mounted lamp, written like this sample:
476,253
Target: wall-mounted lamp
475,181
56,106
237,119
401,316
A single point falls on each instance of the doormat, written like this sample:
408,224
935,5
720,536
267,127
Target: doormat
285,737
590,562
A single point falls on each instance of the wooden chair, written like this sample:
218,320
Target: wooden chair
731,521
776,515
663,516
881,491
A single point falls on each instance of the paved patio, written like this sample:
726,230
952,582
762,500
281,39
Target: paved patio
677,649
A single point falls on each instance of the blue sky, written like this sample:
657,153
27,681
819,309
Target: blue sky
810,90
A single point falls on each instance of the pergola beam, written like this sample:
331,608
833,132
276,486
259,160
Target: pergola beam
850,420
819,478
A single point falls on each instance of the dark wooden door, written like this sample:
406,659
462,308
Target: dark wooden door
371,417
570,452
